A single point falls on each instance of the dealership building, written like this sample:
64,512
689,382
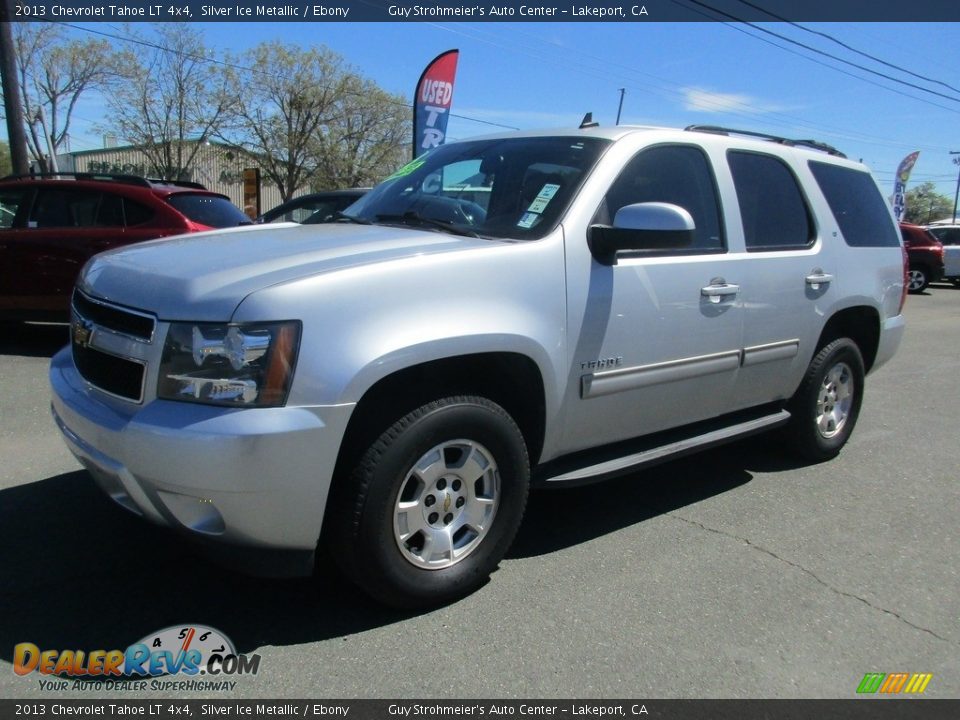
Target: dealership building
219,167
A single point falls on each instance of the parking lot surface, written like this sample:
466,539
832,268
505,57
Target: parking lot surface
734,573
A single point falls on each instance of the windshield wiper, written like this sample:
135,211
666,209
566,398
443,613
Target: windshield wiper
338,216
413,218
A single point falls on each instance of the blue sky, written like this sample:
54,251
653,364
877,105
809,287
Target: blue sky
543,75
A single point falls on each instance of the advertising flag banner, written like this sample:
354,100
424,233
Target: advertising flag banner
900,185
432,102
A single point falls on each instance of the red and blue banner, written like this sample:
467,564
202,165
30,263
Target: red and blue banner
432,102
900,184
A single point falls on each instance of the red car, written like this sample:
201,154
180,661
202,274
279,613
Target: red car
51,225
925,253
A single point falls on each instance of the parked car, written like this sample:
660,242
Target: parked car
949,235
386,389
925,254
50,225
319,207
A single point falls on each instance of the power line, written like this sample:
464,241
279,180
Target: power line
845,45
821,52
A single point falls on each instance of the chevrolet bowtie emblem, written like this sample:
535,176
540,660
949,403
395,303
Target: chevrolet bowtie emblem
446,503
82,332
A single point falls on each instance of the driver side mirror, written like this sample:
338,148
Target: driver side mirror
642,227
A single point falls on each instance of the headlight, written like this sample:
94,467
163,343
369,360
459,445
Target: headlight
246,365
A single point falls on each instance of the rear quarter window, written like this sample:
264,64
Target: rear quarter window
857,205
211,210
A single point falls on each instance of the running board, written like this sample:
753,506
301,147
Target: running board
593,466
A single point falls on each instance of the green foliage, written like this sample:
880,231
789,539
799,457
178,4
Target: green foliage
924,204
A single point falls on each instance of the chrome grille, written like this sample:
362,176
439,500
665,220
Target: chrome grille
101,336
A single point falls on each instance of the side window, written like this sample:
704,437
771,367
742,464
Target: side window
10,202
676,174
110,212
61,208
773,210
135,213
856,204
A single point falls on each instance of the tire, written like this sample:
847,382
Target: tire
826,406
433,504
918,279
956,282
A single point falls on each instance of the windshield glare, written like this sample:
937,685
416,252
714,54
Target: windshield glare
514,188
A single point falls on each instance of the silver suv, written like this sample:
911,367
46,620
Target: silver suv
549,308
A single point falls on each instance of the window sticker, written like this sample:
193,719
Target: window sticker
543,199
528,220
409,167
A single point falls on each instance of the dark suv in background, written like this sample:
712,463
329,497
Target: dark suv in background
925,253
50,225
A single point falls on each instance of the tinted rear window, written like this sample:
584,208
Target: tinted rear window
210,210
856,203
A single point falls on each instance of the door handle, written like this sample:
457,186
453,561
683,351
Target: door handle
719,289
817,278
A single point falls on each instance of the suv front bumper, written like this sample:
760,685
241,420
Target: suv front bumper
250,477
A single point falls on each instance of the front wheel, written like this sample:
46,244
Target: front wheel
825,408
434,503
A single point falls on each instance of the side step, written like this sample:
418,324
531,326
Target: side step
621,458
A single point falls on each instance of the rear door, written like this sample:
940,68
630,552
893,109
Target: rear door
792,281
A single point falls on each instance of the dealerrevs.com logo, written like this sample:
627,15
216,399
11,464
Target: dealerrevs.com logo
181,650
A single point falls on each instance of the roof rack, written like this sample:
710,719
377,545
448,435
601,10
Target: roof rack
106,177
177,183
109,177
813,144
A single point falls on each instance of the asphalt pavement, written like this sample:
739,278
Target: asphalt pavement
736,573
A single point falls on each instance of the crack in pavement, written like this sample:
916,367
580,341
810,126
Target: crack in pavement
812,574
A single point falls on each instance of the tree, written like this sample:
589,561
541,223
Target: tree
312,121
54,73
924,204
365,141
172,101
285,99
6,166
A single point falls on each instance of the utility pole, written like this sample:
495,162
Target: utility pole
620,108
956,195
11,94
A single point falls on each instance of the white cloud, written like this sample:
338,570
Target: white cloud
700,100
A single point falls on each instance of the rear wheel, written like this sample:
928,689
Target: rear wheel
433,504
917,279
825,408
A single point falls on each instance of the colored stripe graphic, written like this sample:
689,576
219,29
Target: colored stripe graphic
918,682
894,683
871,682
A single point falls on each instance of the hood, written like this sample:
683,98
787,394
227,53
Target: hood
204,276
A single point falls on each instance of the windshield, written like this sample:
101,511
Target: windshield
513,188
